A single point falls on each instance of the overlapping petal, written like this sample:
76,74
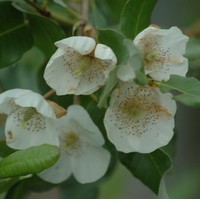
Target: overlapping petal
140,118
82,154
163,51
79,66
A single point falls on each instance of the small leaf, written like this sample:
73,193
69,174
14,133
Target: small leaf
136,16
31,160
148,168
115,40
110,84
15,37
188,86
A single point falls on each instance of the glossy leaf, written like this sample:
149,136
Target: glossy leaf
45,33
148,168
31,160
136,16
15,37
115,40
188,86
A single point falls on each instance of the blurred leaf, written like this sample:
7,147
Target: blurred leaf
31,160
24,73
45,33
148,168
193,49
136,16
7,183
188,86
109,86
15,37
71,189
115,40
4,149
104,13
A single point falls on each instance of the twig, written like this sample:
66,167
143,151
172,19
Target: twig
49,93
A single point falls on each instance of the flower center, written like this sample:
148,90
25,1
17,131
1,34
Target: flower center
70,142
150,57
84,65
28,114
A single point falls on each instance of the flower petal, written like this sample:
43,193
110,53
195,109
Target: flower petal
140,119
37,130
36,101
163,52
91,164
7,97
81,44
80,121
59,172
104,52
125,73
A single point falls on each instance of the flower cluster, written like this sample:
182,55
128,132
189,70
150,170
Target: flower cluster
138,119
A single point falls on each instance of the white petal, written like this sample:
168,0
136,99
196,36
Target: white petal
140,119
79,120
104,52
6,97
125,73
36,131
163,52
36,101
91,164
83,45
59,172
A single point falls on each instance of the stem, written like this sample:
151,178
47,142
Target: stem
49,93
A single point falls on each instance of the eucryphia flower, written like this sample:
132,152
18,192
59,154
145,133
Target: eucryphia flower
31,120
139,118
79,66
82,153
163,51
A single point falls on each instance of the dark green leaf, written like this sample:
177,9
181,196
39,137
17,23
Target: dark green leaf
188,86
115,40
24,73
15,37
7,183
148,168
31,160
45,33
4,149
193,49
136,16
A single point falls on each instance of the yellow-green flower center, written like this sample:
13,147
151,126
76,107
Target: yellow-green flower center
84,65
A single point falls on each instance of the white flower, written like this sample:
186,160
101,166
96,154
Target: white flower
31,120
163,51
139,118
79,66
82,153
126,73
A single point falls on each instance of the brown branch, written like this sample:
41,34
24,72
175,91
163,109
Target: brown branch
49,93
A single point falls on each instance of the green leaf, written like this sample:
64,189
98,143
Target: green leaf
7,183
193,49
24,73
31,160
136,16
148,168
188,86
115,40
45,33
110,84
15,37
4,149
